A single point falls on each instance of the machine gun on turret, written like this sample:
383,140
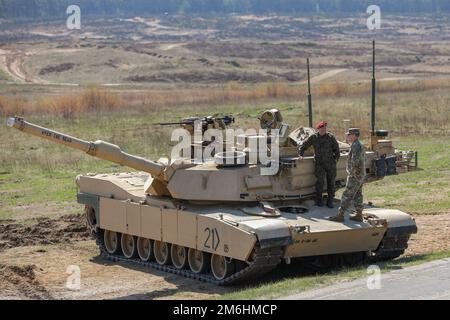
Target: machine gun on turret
209,122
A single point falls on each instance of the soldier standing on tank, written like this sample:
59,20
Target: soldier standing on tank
326,155
356,173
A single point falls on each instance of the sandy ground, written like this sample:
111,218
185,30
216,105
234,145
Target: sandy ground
34,262
12,61
9,62
433,234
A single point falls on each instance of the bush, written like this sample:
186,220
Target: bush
92,99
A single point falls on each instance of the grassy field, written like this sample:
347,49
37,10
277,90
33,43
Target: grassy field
179,49
426,191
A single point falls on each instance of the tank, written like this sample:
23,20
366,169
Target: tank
226,224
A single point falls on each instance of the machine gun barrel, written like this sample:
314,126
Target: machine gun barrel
169,123
99,149
206,120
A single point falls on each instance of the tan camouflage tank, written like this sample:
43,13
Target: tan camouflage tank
229,223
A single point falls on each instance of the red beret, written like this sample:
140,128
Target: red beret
321,124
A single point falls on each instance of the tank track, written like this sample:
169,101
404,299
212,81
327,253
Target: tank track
392,247
264,260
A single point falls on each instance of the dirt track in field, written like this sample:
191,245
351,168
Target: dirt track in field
46,231
20,281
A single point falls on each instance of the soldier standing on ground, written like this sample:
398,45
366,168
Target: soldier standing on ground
356,170
326,155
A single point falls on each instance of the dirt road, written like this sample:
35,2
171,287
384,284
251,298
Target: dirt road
11,63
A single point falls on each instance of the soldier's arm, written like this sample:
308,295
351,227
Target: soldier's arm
355,161
308,142
336,151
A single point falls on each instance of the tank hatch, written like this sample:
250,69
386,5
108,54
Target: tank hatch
265,209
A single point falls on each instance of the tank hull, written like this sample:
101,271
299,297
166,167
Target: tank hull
240,232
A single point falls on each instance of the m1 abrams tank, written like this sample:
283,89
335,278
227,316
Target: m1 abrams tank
229,223
225,224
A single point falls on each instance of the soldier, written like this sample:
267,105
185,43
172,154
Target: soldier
326,155
356,170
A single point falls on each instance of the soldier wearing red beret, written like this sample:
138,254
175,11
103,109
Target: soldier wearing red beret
326,155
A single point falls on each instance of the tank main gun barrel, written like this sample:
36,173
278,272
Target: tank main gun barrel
99,149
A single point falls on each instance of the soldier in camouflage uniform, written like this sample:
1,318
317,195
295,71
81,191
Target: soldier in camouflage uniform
326,155
356,173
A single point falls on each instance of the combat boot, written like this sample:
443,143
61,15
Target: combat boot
319,201
339,217
330,203
357,217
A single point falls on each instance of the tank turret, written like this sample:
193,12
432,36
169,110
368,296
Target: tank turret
294,179
203,181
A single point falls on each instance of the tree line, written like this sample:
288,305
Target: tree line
57,8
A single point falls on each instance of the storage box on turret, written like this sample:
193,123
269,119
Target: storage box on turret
384,147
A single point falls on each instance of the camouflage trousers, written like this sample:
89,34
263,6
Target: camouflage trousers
328,170
352,194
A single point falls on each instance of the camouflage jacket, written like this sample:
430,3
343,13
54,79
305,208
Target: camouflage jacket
326,147
356,165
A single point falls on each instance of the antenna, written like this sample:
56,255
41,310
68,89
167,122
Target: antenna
309,96
373,88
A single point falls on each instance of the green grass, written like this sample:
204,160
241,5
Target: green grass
4,77
293,285
425,191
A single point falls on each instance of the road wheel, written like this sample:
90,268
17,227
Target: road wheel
324,263
179,256
221,267
353,259
145,249
162,252
199,261
128,245
112,241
